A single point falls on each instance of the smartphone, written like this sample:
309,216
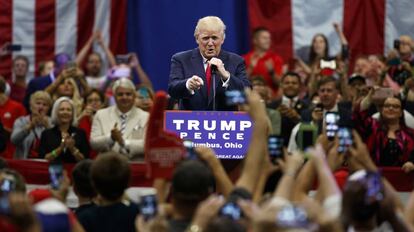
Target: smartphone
144,93
189,146
149,206
331,122
7,185
307,135
292,217
56,175
71,65
14,47
327,64
397,44
382,93
231,210
122,59
235,97
345,139
375,188
275,147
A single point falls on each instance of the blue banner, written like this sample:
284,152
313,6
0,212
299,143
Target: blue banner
227,133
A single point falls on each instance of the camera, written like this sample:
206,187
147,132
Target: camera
307,135
149,206
231,210
275,147
56,175
189,146
331,121
235,97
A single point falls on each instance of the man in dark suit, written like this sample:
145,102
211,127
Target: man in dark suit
289,105
42,83
199,77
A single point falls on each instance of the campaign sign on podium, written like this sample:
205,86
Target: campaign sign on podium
228,133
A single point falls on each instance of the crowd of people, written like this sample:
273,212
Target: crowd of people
78,112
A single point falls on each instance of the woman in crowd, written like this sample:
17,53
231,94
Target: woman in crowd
390,141
67,87
144,99
64,142
27,129
94,101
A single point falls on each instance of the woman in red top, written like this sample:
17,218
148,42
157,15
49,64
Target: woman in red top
94,101
390,141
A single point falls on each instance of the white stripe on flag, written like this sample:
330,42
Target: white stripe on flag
24,31
102,23
398,21
310,19
66,27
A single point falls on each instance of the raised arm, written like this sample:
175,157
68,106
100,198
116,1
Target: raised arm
257,147
108,53
142,75
80,57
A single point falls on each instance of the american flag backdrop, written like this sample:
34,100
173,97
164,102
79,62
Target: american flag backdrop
47,27
370,25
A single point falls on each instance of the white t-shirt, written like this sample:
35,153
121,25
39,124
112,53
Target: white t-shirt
96,82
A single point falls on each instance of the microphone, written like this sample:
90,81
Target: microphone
213,69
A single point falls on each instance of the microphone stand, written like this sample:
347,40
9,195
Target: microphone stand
213,76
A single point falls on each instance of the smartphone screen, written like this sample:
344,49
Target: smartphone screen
56,175
345,139
275,147
291,217
306,136
149,206
231,210
235,97
331,121
189,146
375,188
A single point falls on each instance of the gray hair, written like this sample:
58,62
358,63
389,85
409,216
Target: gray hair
213,23
55,110
123,82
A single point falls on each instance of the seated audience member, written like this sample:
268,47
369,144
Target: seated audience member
261,61
405,49
259,86
10,110
290,105
45,67
110,174
390,141
64,142
18,84
94,100
42,83
94,62
145,98
82,186
28,129
122,127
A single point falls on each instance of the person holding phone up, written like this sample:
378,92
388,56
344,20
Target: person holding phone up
390,141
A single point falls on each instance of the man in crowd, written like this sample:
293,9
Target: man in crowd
18,85
289,105
110,174
199,77
121,127
405,49
261,61
9,111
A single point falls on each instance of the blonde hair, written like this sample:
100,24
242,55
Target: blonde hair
41,95
212,23
76,97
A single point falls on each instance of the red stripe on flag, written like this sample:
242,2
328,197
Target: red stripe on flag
86,16
364,25
276,15
6,31
117,29
45,17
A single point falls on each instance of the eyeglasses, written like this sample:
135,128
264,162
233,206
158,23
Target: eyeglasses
394,106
